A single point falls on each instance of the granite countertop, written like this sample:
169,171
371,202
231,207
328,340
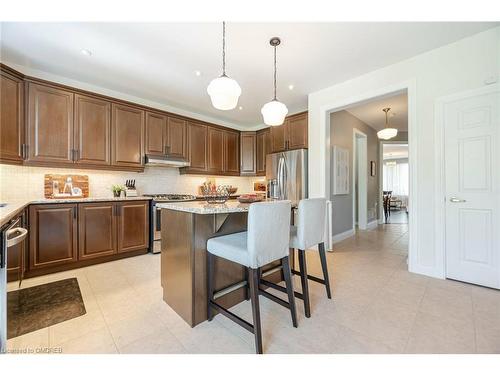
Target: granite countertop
14,208
203,208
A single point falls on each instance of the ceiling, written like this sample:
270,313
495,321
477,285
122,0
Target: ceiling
157,61
395,151
371,112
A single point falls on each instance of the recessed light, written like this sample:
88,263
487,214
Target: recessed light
86,52
290,87
240,107
197,73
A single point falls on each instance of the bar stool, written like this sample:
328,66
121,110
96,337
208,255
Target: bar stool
309,232
266,241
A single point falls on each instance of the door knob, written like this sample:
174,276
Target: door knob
457,200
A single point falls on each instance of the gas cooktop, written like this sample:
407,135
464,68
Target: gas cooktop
171,197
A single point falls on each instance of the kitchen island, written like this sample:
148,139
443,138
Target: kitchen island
185,229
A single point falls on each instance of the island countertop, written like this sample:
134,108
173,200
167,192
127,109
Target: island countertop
203,208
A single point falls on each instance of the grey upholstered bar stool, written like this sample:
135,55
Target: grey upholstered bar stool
266,241
309,232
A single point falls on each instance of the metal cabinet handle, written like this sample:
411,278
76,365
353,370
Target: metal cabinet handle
457,200
21,235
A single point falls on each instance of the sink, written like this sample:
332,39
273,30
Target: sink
3,204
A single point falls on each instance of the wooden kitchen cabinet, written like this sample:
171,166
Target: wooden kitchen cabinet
197,147
215,150
92,131
176,138
231,153
248,153
291,135
263,147
96,230
127,135
133,225
156,134
11,118
50,125
53,235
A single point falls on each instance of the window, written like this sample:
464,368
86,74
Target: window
396,177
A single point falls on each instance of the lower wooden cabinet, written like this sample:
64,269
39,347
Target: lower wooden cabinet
53,235
133,225
65,235
97,230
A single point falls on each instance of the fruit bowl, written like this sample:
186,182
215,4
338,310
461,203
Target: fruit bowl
250,198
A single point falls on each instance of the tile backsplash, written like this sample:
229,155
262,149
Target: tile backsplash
22,182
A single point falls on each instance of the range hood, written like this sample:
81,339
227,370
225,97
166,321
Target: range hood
165,161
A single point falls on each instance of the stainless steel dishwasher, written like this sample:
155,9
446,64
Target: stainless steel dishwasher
12,234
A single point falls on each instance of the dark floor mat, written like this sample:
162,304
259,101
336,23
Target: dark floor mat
43,305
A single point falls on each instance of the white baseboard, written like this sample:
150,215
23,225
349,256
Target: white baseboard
342,236
372,224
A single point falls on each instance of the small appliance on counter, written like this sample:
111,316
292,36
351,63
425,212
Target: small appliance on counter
130,190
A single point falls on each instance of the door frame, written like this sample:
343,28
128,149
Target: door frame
439,162
362,181
337,104
381,175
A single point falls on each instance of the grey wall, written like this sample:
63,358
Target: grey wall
402,136
342,124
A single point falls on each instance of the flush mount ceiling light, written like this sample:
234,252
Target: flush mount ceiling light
224,91
387,132
86,52
274,112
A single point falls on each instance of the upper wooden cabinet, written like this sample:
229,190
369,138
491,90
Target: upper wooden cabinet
92,131
197,135
248,153
291,135
156,134
215,150
176,138
263,148
11,119
127,124
231,153
50,124
53,235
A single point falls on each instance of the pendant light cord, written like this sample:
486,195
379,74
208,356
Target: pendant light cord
275,72
223,48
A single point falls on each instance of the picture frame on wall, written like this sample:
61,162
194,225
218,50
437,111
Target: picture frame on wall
373,168
340,171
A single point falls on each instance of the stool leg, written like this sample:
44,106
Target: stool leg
324,266
289,288
254,296
247,288
303,280
210,284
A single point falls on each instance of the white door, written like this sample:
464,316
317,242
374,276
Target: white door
472,178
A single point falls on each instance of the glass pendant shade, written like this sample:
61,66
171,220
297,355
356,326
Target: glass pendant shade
224,93
387,133
274,113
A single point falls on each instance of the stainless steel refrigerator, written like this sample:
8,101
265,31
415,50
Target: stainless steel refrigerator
286,174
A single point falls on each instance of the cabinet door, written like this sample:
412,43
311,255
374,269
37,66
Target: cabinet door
53,235
248,153
176,138
197,144
297,131
278,137
156,134
127,136
97,230
133,225
215,150
50,124
261,152
11,119
231,153
92,130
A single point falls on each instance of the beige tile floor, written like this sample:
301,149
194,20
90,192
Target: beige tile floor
377,307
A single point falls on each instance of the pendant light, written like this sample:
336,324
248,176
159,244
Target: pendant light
387,132
224,91
274,112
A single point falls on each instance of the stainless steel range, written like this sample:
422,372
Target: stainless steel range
156,213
